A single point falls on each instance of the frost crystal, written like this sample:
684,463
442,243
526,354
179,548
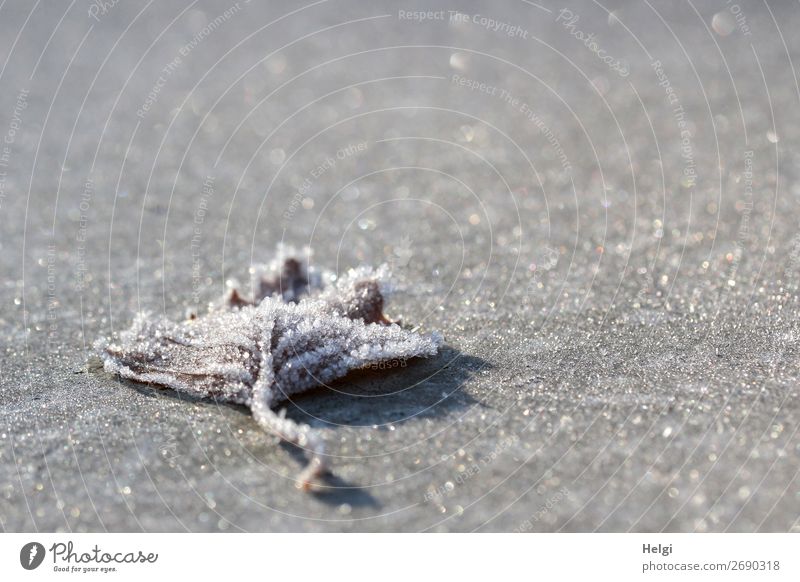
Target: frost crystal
260,352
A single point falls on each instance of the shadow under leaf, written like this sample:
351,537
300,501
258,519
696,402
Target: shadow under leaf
420,388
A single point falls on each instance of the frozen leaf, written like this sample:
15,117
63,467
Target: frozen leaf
258,353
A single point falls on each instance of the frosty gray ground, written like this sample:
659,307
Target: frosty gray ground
260,352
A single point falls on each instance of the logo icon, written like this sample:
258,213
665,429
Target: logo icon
31,555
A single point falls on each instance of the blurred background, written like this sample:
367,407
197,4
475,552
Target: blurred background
595,202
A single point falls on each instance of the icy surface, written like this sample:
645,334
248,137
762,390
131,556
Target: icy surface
622,344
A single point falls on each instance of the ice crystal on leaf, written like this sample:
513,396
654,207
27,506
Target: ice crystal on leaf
296,333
